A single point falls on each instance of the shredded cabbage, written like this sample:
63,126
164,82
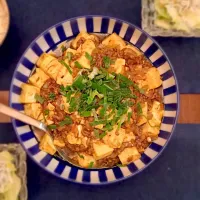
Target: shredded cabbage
10,184
178,14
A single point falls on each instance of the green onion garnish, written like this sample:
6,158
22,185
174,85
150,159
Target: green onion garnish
46,112
39,99
69,55
63,48
52,96
129,116
139,108
52,127
66,121
90,165
88,56
78,65
66,65
81,156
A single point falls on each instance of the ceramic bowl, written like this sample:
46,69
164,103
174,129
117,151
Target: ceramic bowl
64,31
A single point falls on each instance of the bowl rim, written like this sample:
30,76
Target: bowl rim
175,118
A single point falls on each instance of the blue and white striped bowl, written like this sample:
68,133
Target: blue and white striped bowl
66,30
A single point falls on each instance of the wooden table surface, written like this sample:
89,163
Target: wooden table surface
189,108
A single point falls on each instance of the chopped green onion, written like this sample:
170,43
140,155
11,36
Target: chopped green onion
63,48
52,96
78,83
39,99
129,116
102,135
108,87
52,127
66,121
78,65
96,133
69,55
120,165
66,65
88,56
81,156
46,112
85,114
107,61
90,165
139,108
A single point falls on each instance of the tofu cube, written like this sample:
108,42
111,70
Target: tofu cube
114,40
38,78
101,150
28,93
46,144
84,160
153,78
33,110
157,113
129,155
143,119
119,65
115,137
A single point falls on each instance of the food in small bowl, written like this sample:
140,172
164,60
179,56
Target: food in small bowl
178,14
106,90
100,98
12,172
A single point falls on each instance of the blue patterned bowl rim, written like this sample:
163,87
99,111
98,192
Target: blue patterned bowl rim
129,32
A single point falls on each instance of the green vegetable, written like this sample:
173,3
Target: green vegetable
107,62
78,82
51,127
92,96
66,65
88,56
102,135
52,96
129,116
96,133
91,165
63,48
85,114
120,165
78,65
39,99
81,156
66,121
69,55
46,112
139,108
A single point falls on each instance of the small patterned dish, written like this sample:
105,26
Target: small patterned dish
4,20
148,16
65,31
20,163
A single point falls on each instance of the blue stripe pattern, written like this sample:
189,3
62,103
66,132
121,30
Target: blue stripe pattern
26,133
46,160
104,25
34,149
164,134
36,48
155,147
27,63
49,39
17,90
141,41
86,176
